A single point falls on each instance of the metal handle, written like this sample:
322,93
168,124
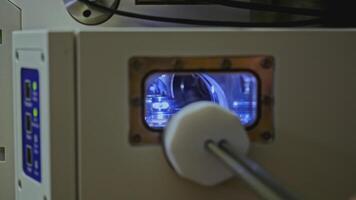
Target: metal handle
250,172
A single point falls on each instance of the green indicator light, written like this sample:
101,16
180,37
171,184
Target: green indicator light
35,112
34,85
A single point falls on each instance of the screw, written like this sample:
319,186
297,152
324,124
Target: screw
17,55
135,101
159,139
135,64
268,63
267,100
177,64
86,13
42,57
267,136
136,139
226,64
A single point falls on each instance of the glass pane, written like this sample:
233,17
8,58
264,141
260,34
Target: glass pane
167,93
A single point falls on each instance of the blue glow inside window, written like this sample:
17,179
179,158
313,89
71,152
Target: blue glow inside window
167,93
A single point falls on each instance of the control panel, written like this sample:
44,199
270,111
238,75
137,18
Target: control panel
31,131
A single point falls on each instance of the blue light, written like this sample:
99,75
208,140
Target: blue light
167,93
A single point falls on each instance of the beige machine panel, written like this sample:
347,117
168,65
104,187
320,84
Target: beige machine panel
313,153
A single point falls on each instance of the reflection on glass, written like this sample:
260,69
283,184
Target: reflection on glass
167,93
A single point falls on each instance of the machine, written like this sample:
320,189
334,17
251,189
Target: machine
158,73
91,108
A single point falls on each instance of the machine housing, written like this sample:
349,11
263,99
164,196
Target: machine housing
85,112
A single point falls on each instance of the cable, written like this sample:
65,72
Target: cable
316,21
269,7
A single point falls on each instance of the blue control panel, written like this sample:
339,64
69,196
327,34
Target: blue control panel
31,129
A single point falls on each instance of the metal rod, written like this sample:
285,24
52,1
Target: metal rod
250,172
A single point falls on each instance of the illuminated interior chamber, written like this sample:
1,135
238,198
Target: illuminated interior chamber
167,93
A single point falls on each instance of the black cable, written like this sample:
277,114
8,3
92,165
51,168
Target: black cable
316,21
340,14
269,7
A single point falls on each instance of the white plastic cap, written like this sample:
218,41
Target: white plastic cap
185,137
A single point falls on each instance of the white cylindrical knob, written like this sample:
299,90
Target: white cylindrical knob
185,137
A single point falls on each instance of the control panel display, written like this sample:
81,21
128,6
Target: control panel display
31,129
